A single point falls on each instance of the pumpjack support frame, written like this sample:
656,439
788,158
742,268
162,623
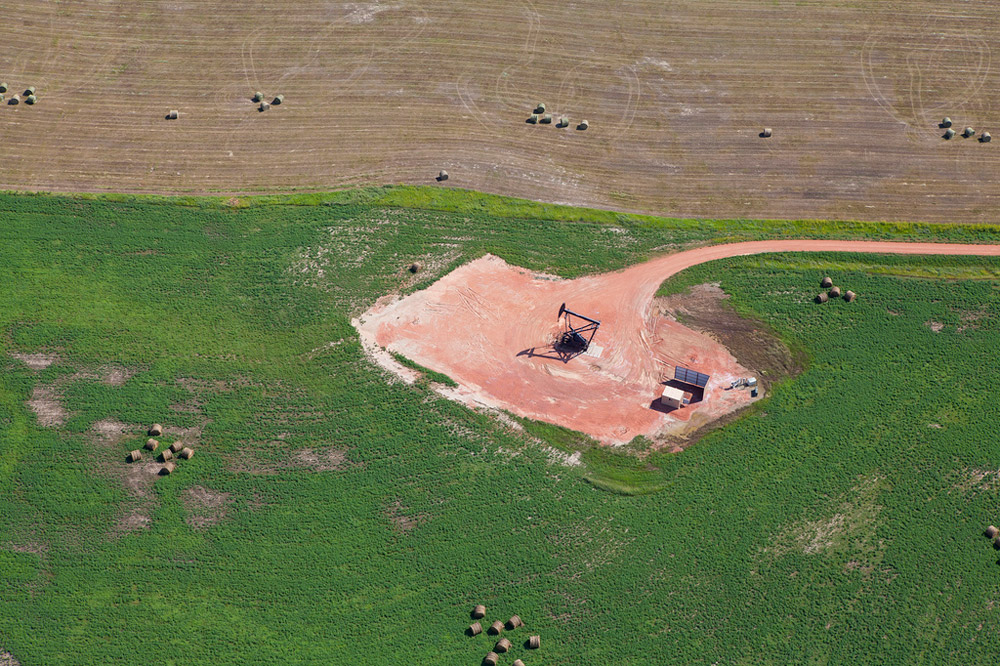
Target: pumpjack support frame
578,335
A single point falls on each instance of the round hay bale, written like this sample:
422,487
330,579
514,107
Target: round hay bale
15,100
168,468
849,296
991,532
278,99
475,629
584,124
416,267
166,455
540,107
172,114
155,430
491,659
151,444
534,642
502,645
766,133
443,175
479,611
264,106
834,292
187,453
30,99
135,456
533,118
946,122
949,133
547,119
826,282
968,132
3,87
30,90
518,662
496,627
563,122
258,96
822,297
514,622
176,446
986,138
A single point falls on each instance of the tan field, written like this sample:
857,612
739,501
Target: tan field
391,92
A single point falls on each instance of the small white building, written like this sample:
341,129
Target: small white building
674,398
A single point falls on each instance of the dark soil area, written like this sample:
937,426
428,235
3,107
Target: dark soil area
706,309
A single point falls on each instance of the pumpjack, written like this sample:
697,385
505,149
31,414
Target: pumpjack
578,334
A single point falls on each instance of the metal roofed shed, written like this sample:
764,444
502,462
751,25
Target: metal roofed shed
674,398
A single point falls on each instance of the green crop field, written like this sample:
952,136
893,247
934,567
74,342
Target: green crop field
332,515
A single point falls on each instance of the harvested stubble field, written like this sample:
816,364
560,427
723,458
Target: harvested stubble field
379,92
335,516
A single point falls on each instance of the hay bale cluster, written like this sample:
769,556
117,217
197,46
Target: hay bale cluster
538,115
834,292
167,454
504,644
263,105
29,95
968,132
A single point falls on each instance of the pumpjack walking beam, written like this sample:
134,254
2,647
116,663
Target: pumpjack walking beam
577,337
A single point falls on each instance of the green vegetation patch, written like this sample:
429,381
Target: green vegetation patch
332,515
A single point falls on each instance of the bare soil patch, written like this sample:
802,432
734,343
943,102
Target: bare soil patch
330,460
46,403
205,507
36,361
254,460
491,327
7,659
848,524
111,431
401,519
705,309
117,375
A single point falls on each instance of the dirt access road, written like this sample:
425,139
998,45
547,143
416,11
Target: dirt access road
490,325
